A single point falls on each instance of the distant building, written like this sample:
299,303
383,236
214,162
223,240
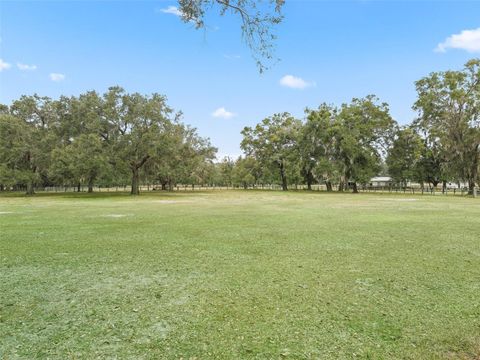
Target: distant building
381,181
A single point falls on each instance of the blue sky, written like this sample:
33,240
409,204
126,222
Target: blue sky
331,50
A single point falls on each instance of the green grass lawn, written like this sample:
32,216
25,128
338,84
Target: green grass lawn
239,274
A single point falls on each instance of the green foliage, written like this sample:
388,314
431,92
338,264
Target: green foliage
404,157
82,161
18,156
119,137
246,172
140,126
346,143
363,131
91,139
317,145
449,115
273,143
432,166
225,171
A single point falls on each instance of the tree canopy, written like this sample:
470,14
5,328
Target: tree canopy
116,138
92,138
448,105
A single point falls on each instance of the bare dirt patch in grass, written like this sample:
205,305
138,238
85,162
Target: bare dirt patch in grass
397,200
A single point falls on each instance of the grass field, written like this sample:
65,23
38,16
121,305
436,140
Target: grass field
239,274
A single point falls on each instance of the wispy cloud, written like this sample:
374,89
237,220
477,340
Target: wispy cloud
170,10
57,77
231,56
468,40
4,65
295,82
25,67
222,113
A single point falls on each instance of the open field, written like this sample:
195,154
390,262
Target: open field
239,274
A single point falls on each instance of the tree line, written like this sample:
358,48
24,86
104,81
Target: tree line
118,138
113,139
350,144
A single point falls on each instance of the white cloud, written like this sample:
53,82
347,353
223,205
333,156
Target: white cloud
4,65
468,40
171,10
231,56
25,67
57,77
223,113
295,82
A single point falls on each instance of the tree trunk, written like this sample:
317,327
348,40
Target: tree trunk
283,177
329,186
340,186
164,186
135,167
444,186
78,187
355,187
30,184
474,177
135,181
30,188
309,180
471,188
90,185
245,186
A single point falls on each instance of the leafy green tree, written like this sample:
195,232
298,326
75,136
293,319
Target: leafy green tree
294,171
245,172
362,130
198,155
17,153
404,156
226,167
317,146
82,161
82,151
170,168
138,126
432,165
38,116
448,105
273,143
93,138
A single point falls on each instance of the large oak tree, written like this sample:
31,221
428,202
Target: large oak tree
448,106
